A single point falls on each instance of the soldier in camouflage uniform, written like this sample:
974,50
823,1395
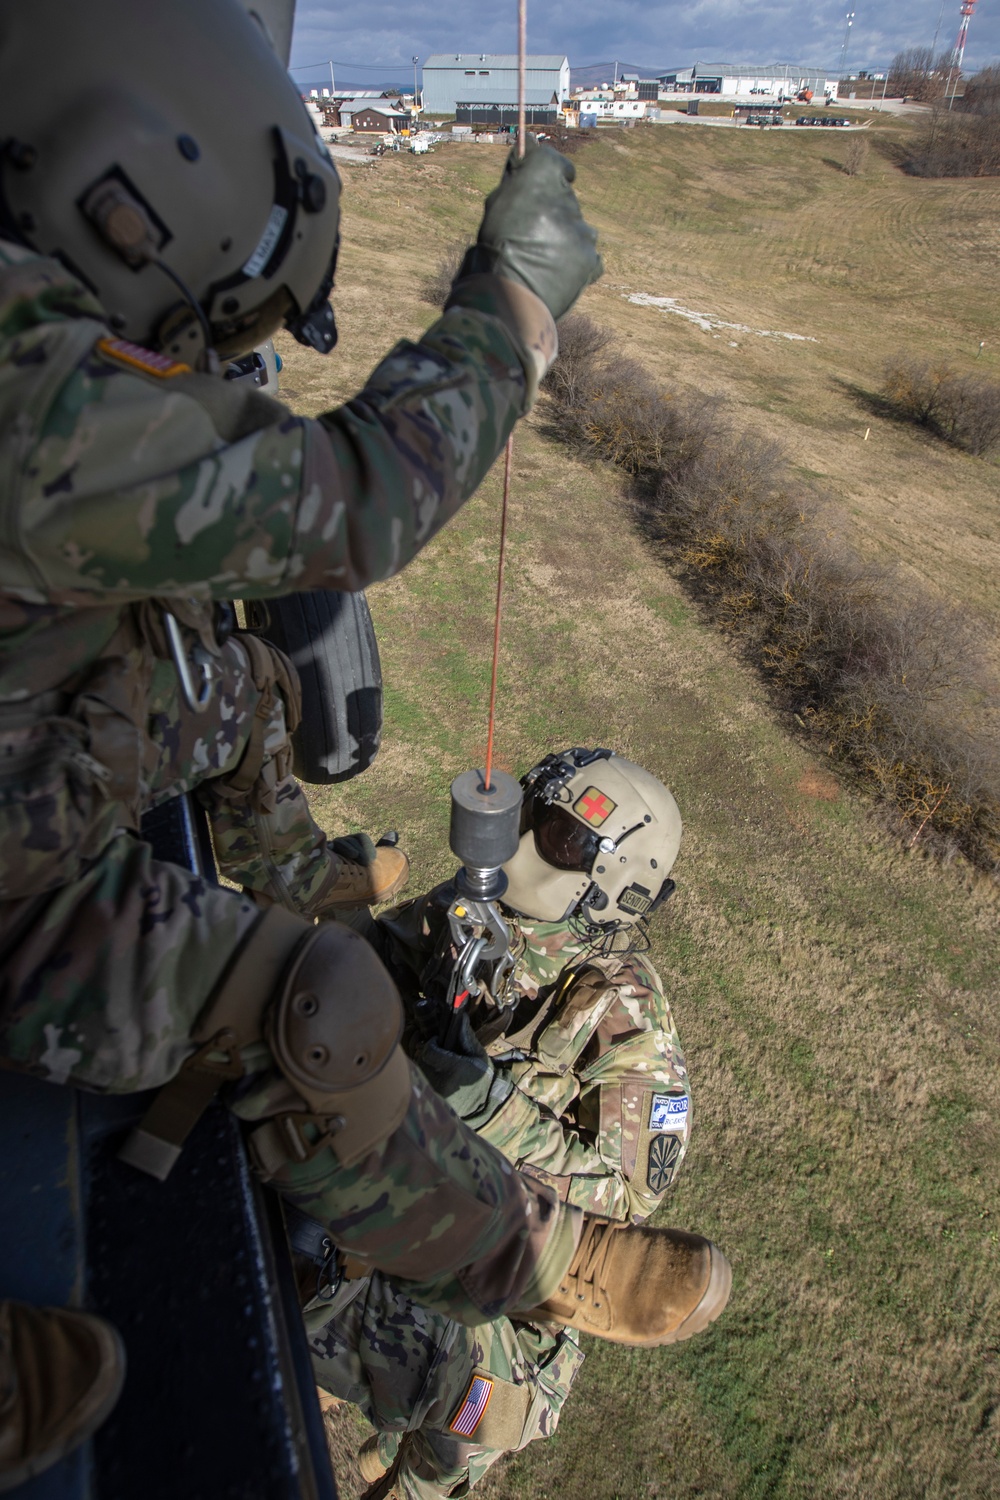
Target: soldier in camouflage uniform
164,203
584,1087
198,210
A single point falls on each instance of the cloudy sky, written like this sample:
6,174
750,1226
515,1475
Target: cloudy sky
653,33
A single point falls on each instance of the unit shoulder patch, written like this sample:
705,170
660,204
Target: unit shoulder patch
473,1407
594,807
664,1153
137,358
669,1112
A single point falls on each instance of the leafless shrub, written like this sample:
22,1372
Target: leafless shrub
913,387
970,414
611,406
437,287
857,156
915,74
957,143
892,683
962,409
581,343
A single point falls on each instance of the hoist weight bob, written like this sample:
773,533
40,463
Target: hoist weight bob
330,637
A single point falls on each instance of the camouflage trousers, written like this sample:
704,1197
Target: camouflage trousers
102,979
454,1399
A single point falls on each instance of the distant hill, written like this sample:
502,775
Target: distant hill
598,73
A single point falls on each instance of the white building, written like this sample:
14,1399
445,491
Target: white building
490,78
748,84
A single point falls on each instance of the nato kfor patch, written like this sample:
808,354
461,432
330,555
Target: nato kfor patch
594,807
664,1154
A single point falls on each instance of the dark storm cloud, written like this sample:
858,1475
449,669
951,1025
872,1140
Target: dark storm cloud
637,31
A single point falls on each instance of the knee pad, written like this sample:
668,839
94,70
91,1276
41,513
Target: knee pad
334,1034
332,1019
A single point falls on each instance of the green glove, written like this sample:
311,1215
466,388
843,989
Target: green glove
461,1072
359,848
533,231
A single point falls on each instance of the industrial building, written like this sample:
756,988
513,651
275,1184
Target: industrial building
734,81
482,86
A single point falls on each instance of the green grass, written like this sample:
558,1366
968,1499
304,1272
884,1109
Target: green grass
836,994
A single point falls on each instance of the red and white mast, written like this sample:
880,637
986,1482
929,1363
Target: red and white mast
967,9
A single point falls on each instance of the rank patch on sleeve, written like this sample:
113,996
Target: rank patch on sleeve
664,1151
669,1112
146,360
594,807
473,1408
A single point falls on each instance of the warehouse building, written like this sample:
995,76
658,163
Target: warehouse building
486,82
733,81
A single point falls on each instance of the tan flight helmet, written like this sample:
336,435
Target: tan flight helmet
599,836
164,155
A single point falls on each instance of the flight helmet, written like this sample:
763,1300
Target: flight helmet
599,836
164,155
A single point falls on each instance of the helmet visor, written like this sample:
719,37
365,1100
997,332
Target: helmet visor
560,838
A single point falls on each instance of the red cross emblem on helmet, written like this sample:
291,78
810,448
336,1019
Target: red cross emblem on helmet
594,807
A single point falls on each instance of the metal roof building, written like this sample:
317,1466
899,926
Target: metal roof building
489,78
740,81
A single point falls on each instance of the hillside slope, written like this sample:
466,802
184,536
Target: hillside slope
837,996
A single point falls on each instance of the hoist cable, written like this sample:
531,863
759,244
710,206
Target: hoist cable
522,126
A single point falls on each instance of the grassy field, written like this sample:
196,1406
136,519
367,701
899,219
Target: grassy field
836,993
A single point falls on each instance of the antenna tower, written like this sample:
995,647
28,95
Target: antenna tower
967,8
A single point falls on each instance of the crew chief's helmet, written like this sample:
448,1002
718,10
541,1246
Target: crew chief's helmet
599,836
164,155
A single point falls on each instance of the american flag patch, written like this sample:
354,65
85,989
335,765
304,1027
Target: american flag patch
473,1408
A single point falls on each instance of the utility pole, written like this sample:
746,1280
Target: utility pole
847,37
415,61
333,88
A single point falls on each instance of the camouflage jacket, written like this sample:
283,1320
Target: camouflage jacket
597,1101
129,484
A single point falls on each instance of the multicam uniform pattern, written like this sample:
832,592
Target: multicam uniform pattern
410,1370
598,1107
125,490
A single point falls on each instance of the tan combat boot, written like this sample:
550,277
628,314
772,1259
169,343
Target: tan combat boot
364,885
636,1285
370,1465
61,1373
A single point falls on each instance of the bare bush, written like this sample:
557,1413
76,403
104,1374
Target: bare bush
613,407
957,144
857,156
437,287
915,74
581,343
962,409
892,683
913,387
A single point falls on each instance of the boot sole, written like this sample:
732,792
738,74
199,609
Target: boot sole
91,1413
712,1304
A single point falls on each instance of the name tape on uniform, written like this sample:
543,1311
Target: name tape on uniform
669,1112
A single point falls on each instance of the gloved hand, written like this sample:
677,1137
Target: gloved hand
461,1072
534,233
359,848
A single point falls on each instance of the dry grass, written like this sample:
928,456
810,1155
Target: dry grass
892,682
837,994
